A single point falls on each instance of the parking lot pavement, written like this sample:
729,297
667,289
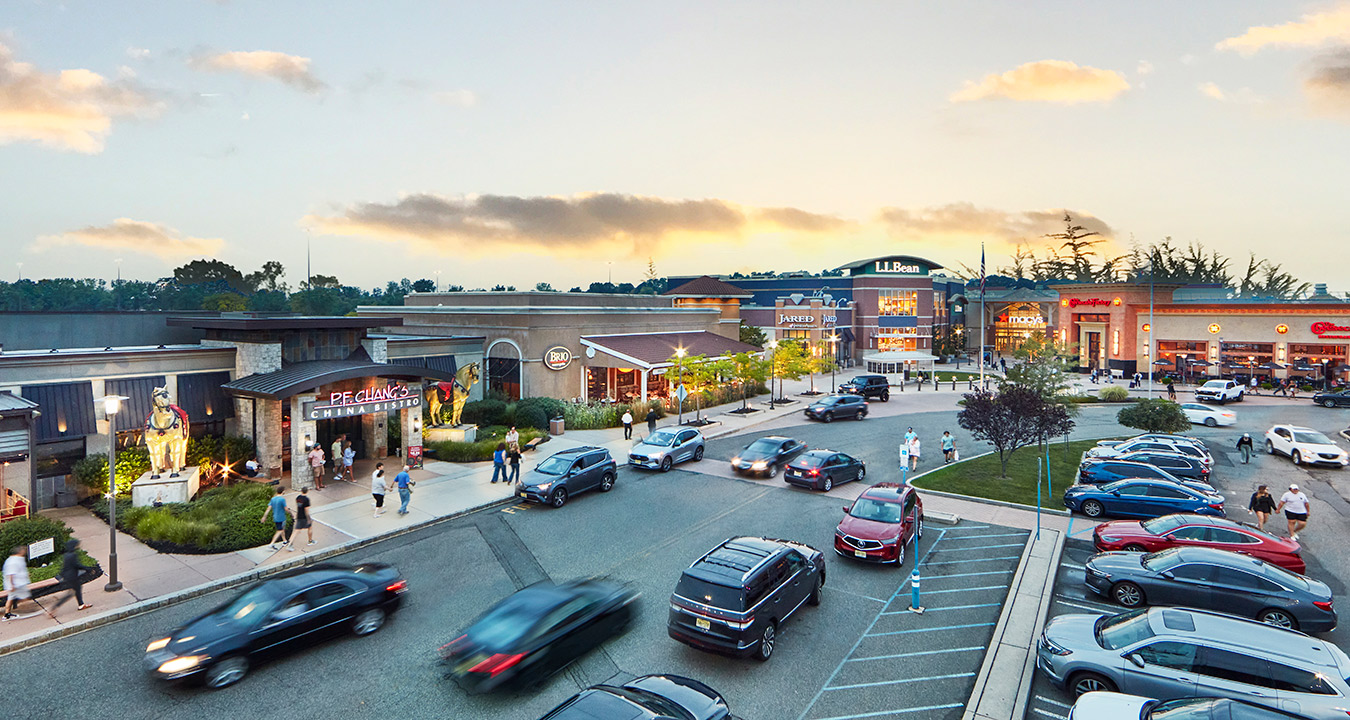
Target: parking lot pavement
1071,597
907,664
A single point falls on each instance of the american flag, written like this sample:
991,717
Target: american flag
981,271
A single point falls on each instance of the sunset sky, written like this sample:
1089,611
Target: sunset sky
514,142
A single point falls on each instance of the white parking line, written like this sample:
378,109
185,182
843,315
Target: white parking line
958,562
1084,607
919,652
850,592
931,629
1063,597
900,711
974,589
969,527
1071,565
900,682
991,572
1056,703
940,609
1048,714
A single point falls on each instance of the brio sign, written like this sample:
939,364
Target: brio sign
557,358
1088,302
897,267
1330,330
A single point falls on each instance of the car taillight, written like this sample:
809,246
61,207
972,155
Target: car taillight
397,587
1324,605
814,473
1216,506
447,649
497,664
740,625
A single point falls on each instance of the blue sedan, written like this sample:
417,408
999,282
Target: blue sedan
1141,498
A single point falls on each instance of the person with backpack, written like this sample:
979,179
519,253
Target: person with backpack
499,462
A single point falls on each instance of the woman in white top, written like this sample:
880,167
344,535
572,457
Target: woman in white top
914,454
378,487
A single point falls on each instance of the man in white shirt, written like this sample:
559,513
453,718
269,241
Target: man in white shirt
627,421
1295,506
16,580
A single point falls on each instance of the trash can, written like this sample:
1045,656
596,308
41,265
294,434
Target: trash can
555,426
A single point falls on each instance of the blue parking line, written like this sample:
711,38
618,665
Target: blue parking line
954,607
973,560
944,577
931,629
985,547
891,712
918,652
906,680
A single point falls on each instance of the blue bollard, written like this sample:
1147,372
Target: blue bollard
914,605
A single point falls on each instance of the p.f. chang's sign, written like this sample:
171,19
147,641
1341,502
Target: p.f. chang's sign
1330,330
363,402
1089,302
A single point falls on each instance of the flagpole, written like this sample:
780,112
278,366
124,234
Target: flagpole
982,327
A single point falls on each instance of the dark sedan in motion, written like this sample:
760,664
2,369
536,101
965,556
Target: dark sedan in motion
651,697
823,469
1339,398
765,455
290,611
1215,580
830,407
1141,498
526,638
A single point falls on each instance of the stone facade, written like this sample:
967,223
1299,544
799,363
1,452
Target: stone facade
302,476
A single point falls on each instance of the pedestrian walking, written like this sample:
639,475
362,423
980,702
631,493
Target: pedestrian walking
336,455
302,519
70,579
1003,362
1295,506
914,455
948,446
348,458
316,464
1262,504
16,580
513,459
627,421
1244,446
1255,386
499,462
378,487
1171,390
512,438
276,508
1293,389
651,421
405,485
1284,387
910,435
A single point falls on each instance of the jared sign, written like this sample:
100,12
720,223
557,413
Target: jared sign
1089,302
1330,330
363,402
557,358
891,266
796,320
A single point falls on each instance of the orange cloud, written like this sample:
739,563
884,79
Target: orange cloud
1053,81
1310,30
136,236
69,110
1328,87
292,70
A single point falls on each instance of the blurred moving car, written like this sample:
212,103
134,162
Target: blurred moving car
733,599
1305,446
1215,580
1337,398
1208,416
830,407
880,523
1115,706
568,472
1099,471
1141,498
823,469
286,612
1189,530
665,447
1171,653
868,386
534,633
650,697
766,455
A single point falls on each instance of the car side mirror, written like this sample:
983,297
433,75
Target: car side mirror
1136,659
848,508
1115,493
1168,574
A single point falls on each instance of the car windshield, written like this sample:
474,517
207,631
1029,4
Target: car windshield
1312,437
661,438
878,510
1216,384
653,702
1187,709
1160,525
810,460
556,465
1118,631
250,606
1160,561
508,622
762,446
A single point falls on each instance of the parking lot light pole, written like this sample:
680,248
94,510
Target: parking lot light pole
111,404
679,383
834,359
773,366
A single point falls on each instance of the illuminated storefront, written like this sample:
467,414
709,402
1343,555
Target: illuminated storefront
1016,324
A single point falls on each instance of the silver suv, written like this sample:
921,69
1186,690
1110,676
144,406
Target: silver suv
665,447
1168,653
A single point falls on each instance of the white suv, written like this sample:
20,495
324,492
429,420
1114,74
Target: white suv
1219,391
1305,446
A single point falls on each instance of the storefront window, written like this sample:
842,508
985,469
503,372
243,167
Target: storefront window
58,458
1016,324
897,339
1168,348
1317,351
898,302
797,334
1093,318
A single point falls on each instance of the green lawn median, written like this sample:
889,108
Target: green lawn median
978,477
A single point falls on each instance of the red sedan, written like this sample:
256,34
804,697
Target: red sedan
1183,530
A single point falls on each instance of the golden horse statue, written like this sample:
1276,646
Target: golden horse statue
454,394
166,435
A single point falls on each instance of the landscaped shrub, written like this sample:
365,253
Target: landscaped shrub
1267,386
220,520
552,407
91,471
595,416
481,450
484,412
534,416
27,531
1114,393
1305,388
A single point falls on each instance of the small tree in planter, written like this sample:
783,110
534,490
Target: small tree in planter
1154,416
817,365
748,369
787,362
1014,418
700,375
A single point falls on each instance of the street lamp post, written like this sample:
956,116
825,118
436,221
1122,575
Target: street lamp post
1324,373
679,383
773,366
834,359
111,404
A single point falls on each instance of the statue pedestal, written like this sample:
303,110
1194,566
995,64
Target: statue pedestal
166,489
463,433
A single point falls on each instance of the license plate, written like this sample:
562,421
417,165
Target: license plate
859,553
522,494
703,624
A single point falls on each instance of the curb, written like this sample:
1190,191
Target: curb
154,603
942,518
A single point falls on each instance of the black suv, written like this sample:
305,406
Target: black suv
734,599
869,386
568,472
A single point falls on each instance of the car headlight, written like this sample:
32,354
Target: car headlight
892,541
1052,648
179,664
1110,538
543,487
736,460
654,456
1097,573
760,465
157,645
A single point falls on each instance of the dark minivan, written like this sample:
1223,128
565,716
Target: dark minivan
734,599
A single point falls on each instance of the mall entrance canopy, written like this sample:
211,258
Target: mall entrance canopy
889,362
